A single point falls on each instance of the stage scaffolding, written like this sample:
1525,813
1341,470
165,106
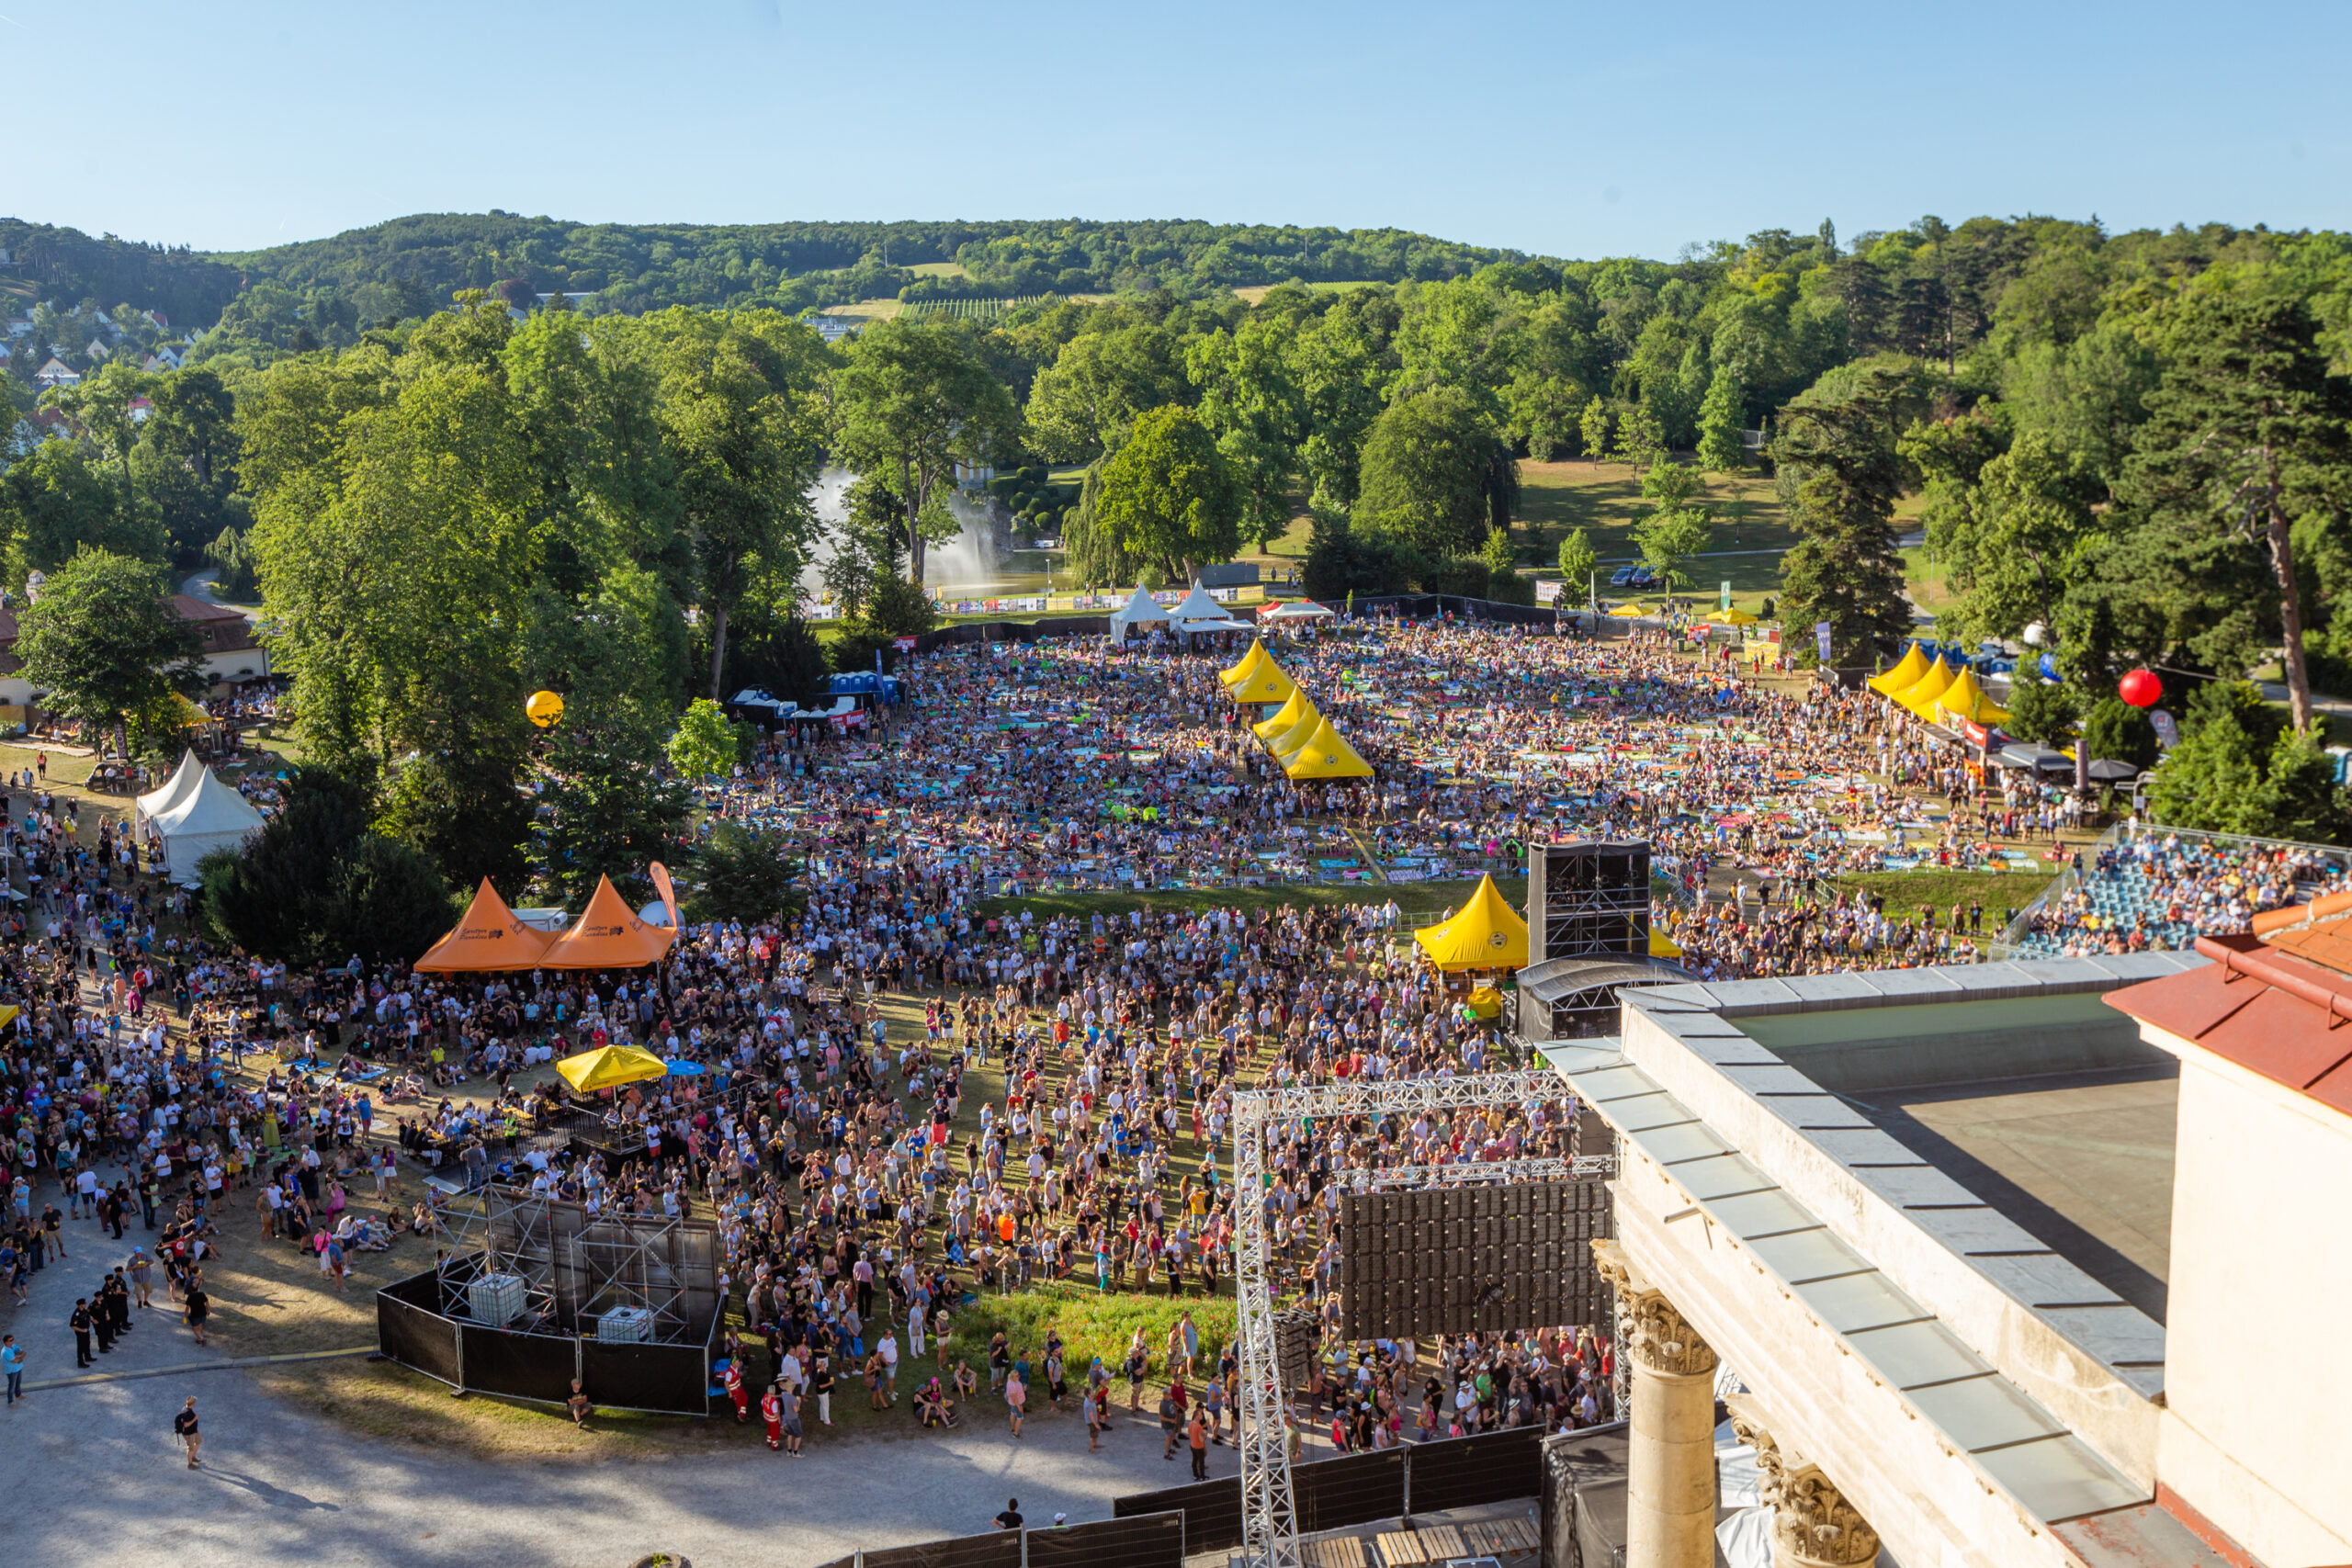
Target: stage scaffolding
576,1265
1269,1520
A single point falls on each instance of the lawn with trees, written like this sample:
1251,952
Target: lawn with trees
2138,441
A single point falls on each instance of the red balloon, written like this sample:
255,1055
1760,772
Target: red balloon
2141,689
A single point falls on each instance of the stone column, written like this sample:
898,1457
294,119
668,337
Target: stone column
1670,1468
1813,1523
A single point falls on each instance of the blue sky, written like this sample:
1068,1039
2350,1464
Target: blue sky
1566,129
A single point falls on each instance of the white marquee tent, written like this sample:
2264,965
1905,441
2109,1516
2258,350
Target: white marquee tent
1141,610
207,816
1199,613
175,789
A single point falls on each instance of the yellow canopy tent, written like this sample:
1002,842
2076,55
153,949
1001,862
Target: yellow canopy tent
1920,696
1734,618
1327,755
609,1066
1486,934
1663,945
1248,666
1296,735
1631,612
1285,717
1965,699
1486,1002
1267,683
1914,665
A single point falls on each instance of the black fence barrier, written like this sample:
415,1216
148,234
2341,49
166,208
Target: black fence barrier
1353,1490
521,1366
1147,1541
416,1337
672,1378
1463,1473
1002,1550
1212,1510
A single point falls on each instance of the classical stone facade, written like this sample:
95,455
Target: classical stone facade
1656,1336
1813,1523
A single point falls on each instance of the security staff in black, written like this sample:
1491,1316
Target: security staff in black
80,1322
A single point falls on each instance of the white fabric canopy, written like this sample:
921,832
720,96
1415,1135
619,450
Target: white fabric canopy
1295,610
175,790
1191,627
211,815
1140,611
1198,607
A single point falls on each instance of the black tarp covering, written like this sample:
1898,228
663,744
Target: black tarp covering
1147,1541
416,1337
1352,1489
1211,1511
1002,1550
645,1377
1463,1473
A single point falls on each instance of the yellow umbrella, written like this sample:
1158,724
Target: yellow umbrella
1734,618
1914,665
1485,1001
609,1066
1631,611
1286,716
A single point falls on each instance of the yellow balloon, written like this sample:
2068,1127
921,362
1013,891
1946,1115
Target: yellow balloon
544,708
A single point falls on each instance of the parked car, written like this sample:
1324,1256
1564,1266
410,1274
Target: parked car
1620,577
1642,578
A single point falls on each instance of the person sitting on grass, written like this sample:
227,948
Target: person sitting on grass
933,1407
967,1381
578,1404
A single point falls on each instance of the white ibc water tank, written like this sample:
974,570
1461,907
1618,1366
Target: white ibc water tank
496,1298
626,1326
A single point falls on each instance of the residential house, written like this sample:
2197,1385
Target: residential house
225,641
56,373
140,409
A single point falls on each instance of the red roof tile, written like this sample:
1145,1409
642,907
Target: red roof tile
2268,1011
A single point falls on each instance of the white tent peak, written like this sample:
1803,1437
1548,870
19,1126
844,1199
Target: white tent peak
208,816
175,789
1198,607
1138,610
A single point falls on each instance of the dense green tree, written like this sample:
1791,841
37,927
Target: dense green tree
705,744
915,399
1082,404
1436,476
742,875
1169,496
1577,562
2116,731
1251,403
1594,426
2040,710
742,411
2246,435
105,646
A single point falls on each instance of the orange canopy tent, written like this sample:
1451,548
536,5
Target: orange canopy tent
608,935
490,938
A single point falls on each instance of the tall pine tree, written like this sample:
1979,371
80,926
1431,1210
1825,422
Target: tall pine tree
1839,443
1721,417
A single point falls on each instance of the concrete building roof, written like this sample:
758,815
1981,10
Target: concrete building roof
1778,1107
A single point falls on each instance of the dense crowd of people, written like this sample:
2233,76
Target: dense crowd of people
865,1197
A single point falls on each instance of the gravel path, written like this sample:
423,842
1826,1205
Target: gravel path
92,1468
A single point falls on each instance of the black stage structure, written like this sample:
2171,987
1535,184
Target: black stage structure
627,1304
1587,938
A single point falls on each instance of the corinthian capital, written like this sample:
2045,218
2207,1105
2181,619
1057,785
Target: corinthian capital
1658,1337
1813,1523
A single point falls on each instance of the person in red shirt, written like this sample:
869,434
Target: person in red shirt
772,1412
738,1393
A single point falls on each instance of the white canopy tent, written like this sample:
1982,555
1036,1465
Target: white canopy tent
1199,614
209,815
175,790
1294,610
1141,610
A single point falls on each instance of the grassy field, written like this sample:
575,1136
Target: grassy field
939,269
1258,291
1998,891
1424,900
